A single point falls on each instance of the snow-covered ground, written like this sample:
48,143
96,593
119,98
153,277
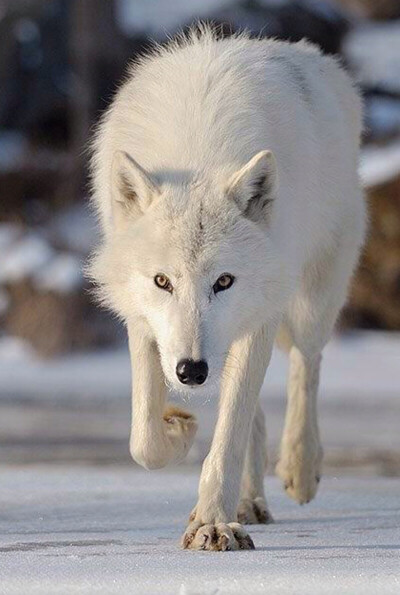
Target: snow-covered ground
116,530
79,406
360,365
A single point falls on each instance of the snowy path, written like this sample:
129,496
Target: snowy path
115,530
78,407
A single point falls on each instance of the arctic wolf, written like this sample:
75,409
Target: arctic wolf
225,179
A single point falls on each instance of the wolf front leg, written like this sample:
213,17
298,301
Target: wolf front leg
159,435
214,523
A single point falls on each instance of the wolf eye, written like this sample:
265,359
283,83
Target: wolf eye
163,282
223,282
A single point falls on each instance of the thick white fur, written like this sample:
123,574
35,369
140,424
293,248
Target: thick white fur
197,130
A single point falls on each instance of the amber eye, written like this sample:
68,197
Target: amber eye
163,282
223,282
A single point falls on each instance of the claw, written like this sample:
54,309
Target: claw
244,540
190,534
186,541
247,544
223,542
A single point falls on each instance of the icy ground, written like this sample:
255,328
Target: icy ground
116,530
78,407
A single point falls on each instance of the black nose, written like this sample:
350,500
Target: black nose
191,372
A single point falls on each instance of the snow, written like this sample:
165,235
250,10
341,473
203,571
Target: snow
117,529
74,228
14,351
357,364
373,51
30,255
379,164
24,257
82,401
63,274
9,232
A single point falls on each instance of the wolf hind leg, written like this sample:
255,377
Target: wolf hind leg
308,325
253,506
300,459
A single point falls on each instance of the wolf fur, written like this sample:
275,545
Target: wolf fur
229,156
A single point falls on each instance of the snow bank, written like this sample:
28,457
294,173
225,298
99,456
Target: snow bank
30,256
373,51
15,351
360,364
24,257
74,228
9,233
63,274
379,164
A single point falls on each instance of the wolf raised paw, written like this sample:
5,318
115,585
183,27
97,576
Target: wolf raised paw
181,429
220,537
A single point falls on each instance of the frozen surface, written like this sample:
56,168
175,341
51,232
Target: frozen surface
359,365
116,530
78,407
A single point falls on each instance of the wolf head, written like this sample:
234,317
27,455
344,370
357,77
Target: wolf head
193,261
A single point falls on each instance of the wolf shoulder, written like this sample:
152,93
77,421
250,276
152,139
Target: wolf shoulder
206,104
241,66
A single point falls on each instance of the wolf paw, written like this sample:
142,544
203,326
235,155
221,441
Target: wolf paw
300,474
181,429
178,432
254,511
220,537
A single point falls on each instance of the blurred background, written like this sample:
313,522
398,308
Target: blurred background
64,368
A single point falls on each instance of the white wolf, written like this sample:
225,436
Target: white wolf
225,178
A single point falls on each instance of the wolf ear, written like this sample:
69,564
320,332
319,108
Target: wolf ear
133,188
255,185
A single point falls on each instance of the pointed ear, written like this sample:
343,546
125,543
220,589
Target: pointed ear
255,185
133,188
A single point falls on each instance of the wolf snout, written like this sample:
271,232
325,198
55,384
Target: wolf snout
192,372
